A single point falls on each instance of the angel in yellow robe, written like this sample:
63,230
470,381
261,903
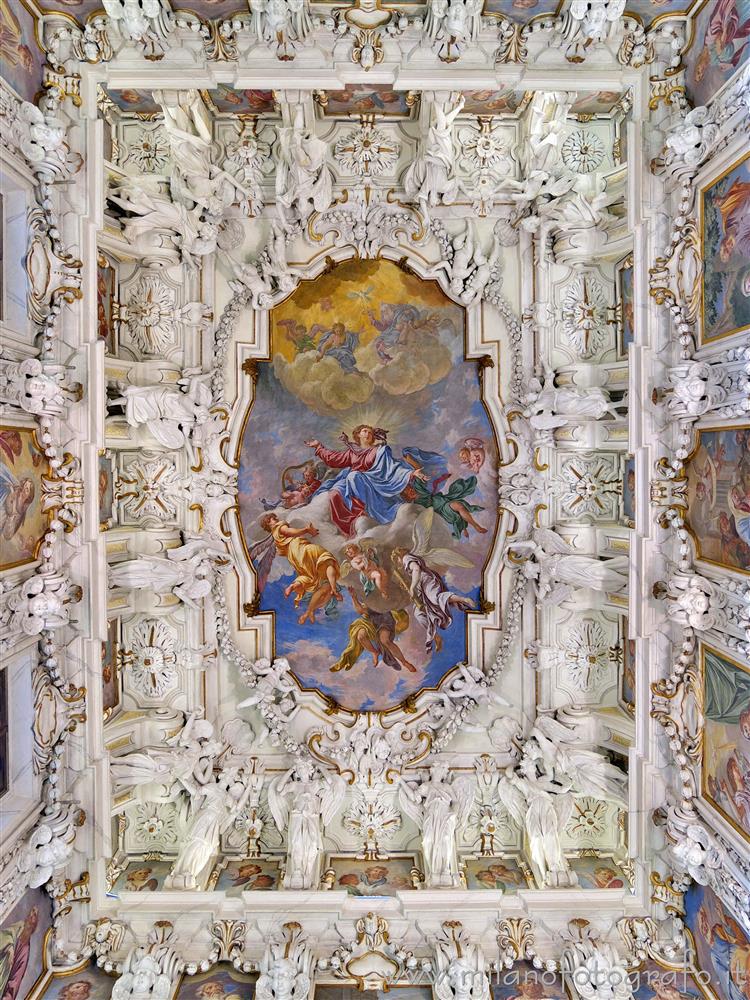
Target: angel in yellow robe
375,631
317,569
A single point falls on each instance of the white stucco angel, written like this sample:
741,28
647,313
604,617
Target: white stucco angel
214,806
433,19
194,180
274,265
467,682
281,21
274,692
452,22
463,21
695,602
585,771
460,966
192,751
38,388
542,809
587,22
303,801
138,20
556,570
172,414
49,846
304,181
695,387
248,276
431,178
548,406
42,603
271,677
187,571
470,681
149,970
437,804
214,490
690,138
286,967
470,268
158,226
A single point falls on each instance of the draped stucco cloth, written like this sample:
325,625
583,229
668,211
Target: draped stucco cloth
727,690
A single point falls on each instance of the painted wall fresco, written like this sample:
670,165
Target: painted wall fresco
719,497
211,9
367,484
221,983
626,303
719,47
372,878
137,101
599,103
238,102
106,489
495,873
22,944
357,99
726,740
524,10
22,522
4,734
653,982
628,492
598,873
142,876
524,982
110,671
725,232
343,991
21,59
249,876
106,294
627,677
89,983
723,949
491,102
79,9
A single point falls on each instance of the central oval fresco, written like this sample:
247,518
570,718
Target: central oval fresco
368,484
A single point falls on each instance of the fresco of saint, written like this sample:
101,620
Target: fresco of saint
719,497
21,519
723,949
720,45
726,741
725,230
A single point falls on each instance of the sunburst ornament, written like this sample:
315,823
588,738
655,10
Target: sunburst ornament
149,150
583,151
149,315
366,151
584,315
153,658
587,654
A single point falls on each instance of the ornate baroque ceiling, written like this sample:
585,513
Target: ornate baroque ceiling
374,490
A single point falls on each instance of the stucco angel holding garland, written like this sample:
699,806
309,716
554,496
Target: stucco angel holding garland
556,570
